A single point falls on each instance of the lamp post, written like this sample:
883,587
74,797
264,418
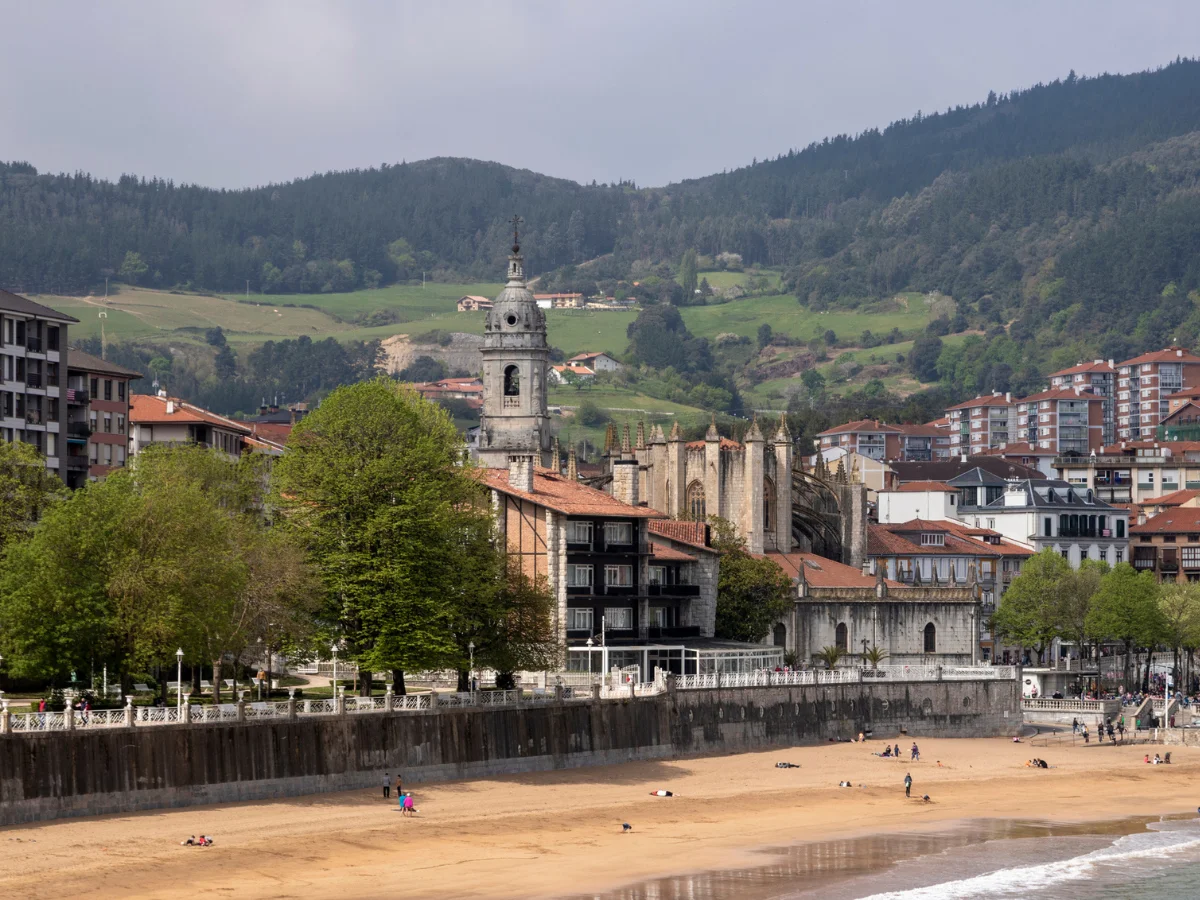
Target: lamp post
179,680
333,683
471,650
590,645
1,663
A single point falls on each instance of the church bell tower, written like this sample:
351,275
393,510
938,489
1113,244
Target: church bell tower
516,360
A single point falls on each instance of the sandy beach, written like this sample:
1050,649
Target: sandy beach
555,834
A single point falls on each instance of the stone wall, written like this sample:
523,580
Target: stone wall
57,774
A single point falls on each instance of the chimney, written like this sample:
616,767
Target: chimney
520,473
1008,396
170,407
625,481
162,394
1179,353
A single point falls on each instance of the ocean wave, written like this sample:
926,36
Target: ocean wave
1026,880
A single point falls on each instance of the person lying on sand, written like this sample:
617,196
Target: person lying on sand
925,799
787,765
661,794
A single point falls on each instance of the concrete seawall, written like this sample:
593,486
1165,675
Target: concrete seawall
118,770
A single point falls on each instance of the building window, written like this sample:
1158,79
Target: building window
108,423
930,638
618,618
1066,554
779,638
933,540
992,524
1103,554
120,390
658,616
512,382
579,576
768,505
579,532
1191,557
120,461
107,458
841,637
618,533
95,387
107,388
618,576
93,453
1047,527
1120,528
579,620
695,502
120,423
658,575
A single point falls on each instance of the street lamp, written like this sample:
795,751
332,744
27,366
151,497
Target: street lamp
471,650
179,680
333,683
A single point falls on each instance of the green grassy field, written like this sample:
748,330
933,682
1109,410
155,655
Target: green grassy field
622,405
786,316
721,279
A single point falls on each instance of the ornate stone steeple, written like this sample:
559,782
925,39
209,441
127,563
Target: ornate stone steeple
516,358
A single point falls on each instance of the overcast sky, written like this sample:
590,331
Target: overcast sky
243,93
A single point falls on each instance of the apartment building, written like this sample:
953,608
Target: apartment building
879,441
982,423
97,424
159,419
1144,385
1168,545
1060,421
1100,378
33,341
1135,471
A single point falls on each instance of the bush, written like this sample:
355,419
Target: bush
590,415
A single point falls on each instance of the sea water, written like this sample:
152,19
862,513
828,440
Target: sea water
1132,858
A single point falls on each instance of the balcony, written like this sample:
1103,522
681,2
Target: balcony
79,429
78,463
33,344
77,397
33,417
672,590
33,380
673,631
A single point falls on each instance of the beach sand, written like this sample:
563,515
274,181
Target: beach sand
554,834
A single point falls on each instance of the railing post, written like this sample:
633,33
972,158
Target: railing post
129,712
5,718
241,707
291,704
187,710
388,699
596,691
69,717
432,699
670,683
339,704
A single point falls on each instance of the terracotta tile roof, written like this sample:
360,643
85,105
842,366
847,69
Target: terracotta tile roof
821,572
589,354
147,409
1170,354
1175,498
928,430
1099,365
941,424
889,540
569,498
1192,407
578,370
1006,547
1171,521
914,487
693,533
1185,394
868,425
991,400
1017,448
1061,394
669,554
272,431
25,306
726,444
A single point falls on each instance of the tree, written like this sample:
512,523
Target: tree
423,369
133,268
813,381
874,656
764,335
1125,608
27,487
1075,600
830,337
215,337
752,594
589,415
923,358
687,276
1028,614
829,656
1179,606
225,362
374,487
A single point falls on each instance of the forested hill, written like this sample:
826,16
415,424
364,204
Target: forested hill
1044,194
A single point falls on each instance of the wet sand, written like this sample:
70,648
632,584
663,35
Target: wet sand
557,834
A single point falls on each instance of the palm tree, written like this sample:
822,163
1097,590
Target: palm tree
830,656
874,657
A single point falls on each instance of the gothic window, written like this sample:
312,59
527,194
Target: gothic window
780,635
512,382
695,502
930,638
768,505
841,638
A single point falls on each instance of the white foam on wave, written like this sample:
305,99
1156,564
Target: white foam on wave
1024,880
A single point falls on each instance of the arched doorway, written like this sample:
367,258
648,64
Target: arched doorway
780,635
930,638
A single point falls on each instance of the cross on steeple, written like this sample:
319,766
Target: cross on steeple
516,224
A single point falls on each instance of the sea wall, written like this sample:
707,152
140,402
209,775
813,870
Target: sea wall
118,770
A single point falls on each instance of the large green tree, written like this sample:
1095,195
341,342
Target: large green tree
374,486
27,487
1179,606
1125,608
1028,614
752,593
1075,601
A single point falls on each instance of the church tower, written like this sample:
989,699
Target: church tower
516,360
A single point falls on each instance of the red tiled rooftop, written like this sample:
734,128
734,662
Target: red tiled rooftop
1171,521
726,444
1175,498
1099,365
569,498
914,487
990,400
147,409
868,425
684,532
821,572
1169,354
669,554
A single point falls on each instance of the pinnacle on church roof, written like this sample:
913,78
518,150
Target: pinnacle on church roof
625,448
712,434
782,433
676,431
656,435
640,444
753,433
610,438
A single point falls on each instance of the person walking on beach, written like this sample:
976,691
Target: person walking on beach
409,809
1074,726
387,785
399,785
916,754
908,785
1085,734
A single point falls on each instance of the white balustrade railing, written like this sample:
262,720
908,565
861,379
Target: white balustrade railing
620,687
1051,705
